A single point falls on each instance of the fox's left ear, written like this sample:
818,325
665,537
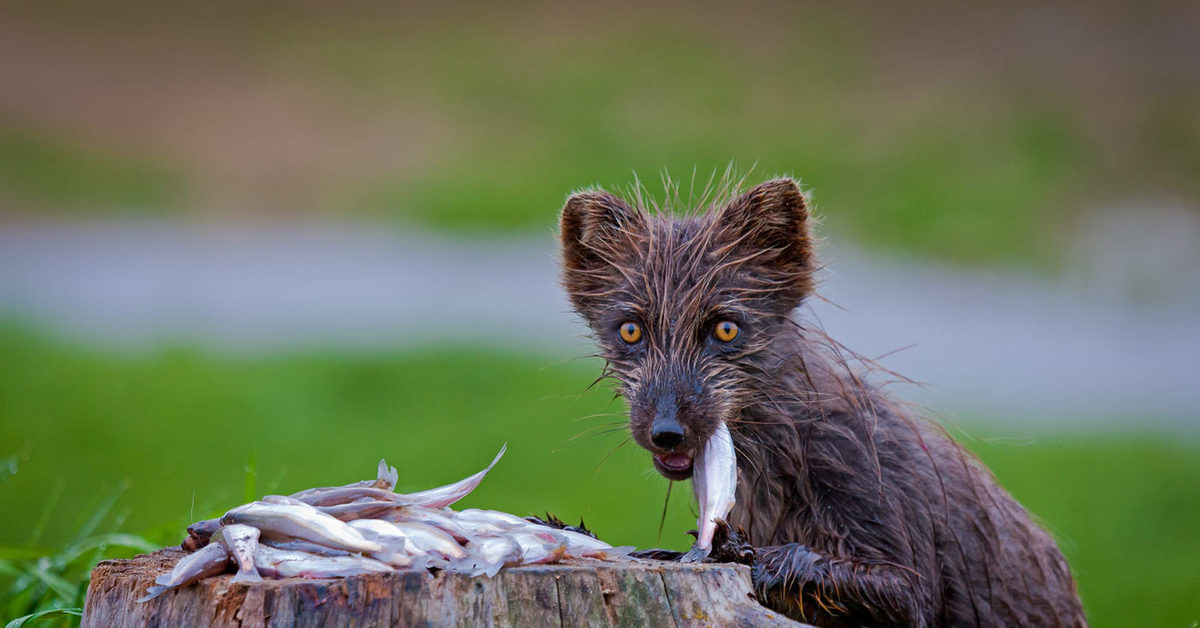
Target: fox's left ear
767,227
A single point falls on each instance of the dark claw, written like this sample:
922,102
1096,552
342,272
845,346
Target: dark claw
582,529
657,554
550,521
730,546
533,519
558,524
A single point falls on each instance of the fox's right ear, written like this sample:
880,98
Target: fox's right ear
596,228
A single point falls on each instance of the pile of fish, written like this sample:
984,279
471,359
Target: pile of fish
366,527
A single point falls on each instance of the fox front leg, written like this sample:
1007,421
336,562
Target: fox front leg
807,586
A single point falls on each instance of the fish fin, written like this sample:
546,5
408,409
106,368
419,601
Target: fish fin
398,560
555,556
614,553
423,498
386,476
469,566
416,563
152,593
503,448
249,576
435,562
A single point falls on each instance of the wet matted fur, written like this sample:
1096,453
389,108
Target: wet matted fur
861,512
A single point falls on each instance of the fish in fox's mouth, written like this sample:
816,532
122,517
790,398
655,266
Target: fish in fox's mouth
676,465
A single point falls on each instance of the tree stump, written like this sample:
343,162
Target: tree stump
576,593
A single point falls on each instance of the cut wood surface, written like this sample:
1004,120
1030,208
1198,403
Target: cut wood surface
576,593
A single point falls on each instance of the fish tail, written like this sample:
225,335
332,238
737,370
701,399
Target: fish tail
494,569
387,476
696,555
503,448
248,576
153,592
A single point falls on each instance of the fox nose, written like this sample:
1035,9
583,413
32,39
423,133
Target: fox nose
665,430
667,437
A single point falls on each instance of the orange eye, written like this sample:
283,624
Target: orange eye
726,331
631,332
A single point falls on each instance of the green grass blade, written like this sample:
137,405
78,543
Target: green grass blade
9,569
65,590
21,621
102,542
51,505
100,513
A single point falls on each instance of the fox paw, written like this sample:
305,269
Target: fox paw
731,546
781,567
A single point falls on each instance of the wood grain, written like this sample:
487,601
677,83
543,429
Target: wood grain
576,593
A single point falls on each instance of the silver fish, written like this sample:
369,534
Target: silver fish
283,499
483,527
450,493
304,546
539,546
580,545
488,556
210,560
348,494
199,534
360,508
385,479
479,515
278,563
496,523
366,509
442,519
303,523
240,540
714,480
204,528
418,538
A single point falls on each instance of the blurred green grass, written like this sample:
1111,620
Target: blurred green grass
952,179
182,429
524,104
536,117
43,170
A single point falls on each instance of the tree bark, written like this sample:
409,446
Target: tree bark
577,593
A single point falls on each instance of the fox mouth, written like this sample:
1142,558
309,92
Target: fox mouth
675,465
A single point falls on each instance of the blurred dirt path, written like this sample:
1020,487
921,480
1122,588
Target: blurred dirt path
986,344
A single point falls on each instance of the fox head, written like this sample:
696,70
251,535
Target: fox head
685,308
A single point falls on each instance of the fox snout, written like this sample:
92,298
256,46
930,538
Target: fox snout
668,418
665,430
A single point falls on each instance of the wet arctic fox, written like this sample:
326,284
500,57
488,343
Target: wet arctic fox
859,513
